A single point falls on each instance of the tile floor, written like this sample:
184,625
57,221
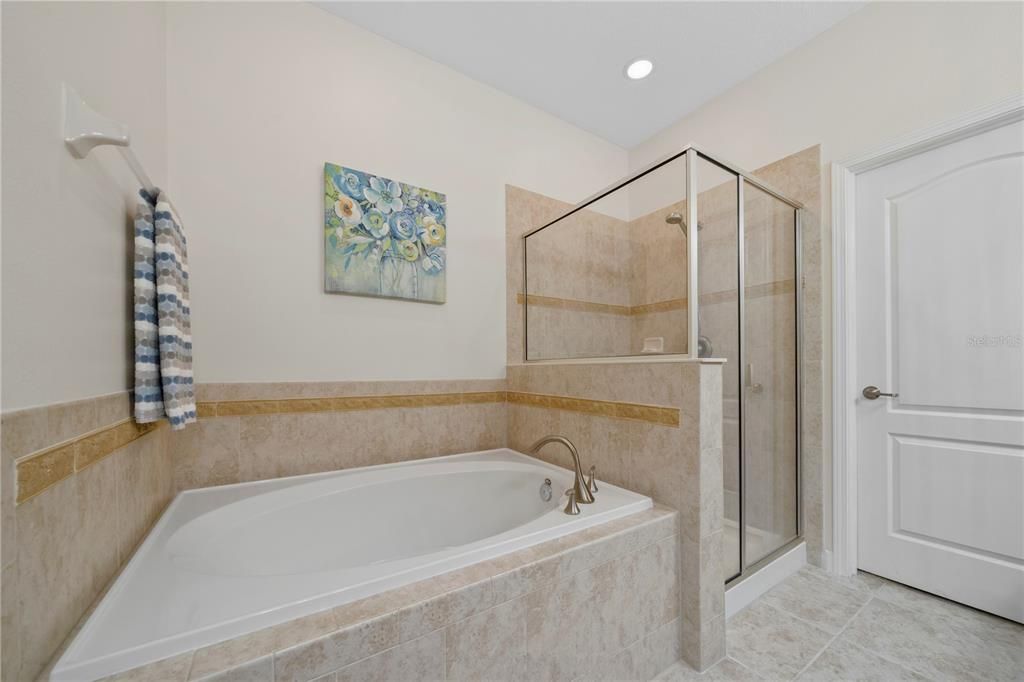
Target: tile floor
815,626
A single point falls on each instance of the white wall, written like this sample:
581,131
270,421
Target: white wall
66,223
259,97
888,69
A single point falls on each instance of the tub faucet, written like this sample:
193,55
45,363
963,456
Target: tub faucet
580,489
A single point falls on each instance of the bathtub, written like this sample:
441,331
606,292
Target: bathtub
230,560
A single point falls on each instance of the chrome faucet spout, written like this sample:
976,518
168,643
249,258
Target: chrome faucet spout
581,491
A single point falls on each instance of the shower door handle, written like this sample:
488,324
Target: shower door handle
874,393
749,380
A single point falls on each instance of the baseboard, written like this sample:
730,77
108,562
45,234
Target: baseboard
741,594
826,560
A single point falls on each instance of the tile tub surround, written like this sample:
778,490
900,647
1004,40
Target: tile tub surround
92,484
271,430
564,609
679,464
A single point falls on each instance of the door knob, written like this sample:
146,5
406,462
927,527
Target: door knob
873,393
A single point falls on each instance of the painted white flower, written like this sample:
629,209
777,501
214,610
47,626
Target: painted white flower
348,210
385,196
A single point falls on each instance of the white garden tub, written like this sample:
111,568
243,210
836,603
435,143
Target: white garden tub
230,560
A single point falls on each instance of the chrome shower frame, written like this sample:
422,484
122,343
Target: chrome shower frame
691,154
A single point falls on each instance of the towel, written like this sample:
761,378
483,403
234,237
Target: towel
163,330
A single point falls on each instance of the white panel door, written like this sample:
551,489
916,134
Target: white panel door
940,318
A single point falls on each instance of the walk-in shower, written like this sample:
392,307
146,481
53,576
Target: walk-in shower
621,274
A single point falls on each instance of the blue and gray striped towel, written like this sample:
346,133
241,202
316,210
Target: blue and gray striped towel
163,330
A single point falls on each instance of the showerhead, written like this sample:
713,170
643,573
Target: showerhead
676,218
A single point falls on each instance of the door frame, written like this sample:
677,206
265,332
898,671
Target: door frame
844,322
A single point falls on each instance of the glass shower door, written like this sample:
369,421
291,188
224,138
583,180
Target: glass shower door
719,329
768,385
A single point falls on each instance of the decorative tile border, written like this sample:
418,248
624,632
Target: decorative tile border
668,416
785,286
240,408
659,306
573,304
41,470
665,416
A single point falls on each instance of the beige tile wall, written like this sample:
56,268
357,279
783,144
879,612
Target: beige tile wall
524,211
598,285
251,432
658,280
64,542
585,266
677,464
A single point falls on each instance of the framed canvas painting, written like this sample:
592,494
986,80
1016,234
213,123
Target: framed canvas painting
383,237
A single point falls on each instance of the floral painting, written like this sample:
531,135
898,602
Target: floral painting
383,237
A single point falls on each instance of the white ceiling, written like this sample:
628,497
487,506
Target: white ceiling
568,58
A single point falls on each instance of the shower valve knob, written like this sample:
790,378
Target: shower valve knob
571,507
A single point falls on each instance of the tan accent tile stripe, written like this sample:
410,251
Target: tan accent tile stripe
573,304
240,408
41,470
784,286
659,307
666,416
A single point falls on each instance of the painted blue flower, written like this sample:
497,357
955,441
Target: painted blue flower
385,195
403,225
434,260
433,208
354,184
376,223
349,182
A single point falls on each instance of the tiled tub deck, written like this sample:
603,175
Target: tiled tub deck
602,603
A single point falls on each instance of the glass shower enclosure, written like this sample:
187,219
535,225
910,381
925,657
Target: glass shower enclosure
625,273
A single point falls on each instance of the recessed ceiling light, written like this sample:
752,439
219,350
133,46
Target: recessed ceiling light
639,68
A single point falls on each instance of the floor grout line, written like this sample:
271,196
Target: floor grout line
788,614
886,658
833,639
744,666
807,622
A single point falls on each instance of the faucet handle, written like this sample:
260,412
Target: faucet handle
591,483
571,508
